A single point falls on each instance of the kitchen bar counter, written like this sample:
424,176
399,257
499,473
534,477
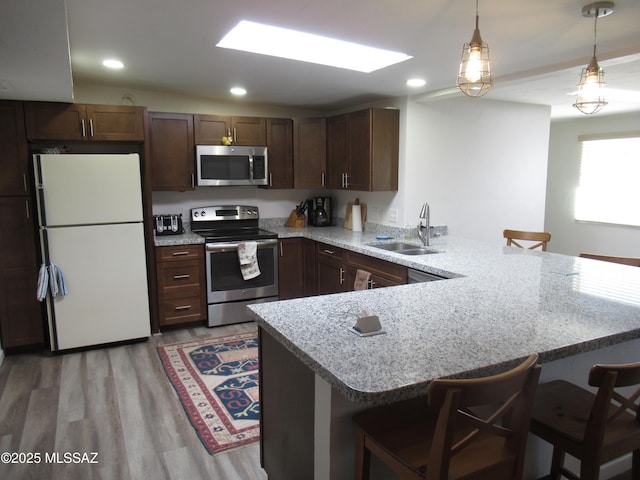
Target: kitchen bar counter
499,305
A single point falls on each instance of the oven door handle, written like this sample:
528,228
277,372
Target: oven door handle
224,247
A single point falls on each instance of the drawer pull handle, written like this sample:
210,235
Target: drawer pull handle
180,277
177,254
183,307
330,252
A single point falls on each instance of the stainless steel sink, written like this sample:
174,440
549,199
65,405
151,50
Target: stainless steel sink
404,248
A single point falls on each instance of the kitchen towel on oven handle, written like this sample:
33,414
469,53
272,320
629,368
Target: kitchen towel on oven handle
248,256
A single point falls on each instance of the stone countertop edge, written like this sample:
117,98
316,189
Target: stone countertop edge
375,398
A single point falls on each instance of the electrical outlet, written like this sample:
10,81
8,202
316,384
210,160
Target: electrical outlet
393,215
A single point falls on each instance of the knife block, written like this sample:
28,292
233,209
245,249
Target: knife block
295,221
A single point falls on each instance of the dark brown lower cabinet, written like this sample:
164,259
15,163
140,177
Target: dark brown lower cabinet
286,416
296,268
331,269
21,319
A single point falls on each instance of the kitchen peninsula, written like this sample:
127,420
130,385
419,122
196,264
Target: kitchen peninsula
499,305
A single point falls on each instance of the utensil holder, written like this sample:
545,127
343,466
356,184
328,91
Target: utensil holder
295,220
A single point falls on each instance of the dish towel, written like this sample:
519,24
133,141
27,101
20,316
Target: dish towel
362,280
56,281
50,278
248,256
43,283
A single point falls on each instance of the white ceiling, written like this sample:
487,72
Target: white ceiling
537,46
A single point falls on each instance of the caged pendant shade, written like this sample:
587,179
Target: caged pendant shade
590,97
474,75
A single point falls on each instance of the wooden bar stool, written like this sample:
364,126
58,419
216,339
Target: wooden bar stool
592,428
442,438
541,238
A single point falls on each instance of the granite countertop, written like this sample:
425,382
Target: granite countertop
187,238
499,305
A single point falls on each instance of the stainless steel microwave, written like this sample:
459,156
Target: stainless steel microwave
218,165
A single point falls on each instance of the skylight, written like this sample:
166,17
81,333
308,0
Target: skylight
281,42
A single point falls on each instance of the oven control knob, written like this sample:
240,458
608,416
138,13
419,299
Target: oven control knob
203,213
195,214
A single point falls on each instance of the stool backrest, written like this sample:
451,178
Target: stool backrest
634,262
608,378
506,400
541,238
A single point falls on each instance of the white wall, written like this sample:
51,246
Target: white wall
569,236
480,164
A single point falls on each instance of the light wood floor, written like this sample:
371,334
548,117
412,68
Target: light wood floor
117,402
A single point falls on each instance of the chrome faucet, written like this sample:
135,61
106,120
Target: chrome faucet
426,214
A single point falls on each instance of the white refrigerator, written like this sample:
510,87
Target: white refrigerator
91,228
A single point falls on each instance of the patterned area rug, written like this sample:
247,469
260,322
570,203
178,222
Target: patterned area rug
217,382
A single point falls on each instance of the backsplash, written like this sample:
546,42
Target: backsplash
378,229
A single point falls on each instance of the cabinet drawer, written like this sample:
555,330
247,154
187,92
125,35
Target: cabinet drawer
324,250
180,276
392,271
179,253
181,310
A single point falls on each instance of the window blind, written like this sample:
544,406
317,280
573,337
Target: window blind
609,185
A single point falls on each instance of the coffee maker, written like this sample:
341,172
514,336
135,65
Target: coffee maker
319,209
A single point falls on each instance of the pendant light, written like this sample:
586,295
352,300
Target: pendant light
474,76
590,96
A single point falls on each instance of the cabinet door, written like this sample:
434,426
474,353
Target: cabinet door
331,270
21,320
337,151
280,152
309,260
75,122
310,153
209,129
55,121
250,131
172,151
384,141
359,140
14,153
290,269
115,123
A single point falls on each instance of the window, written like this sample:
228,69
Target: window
609,186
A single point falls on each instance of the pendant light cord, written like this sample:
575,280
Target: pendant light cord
595,32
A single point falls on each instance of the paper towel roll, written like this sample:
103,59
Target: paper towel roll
356,218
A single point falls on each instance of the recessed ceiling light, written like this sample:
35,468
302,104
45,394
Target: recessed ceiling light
281,42
239,91
112,63
416,82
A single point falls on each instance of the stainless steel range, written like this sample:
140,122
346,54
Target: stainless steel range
228,229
